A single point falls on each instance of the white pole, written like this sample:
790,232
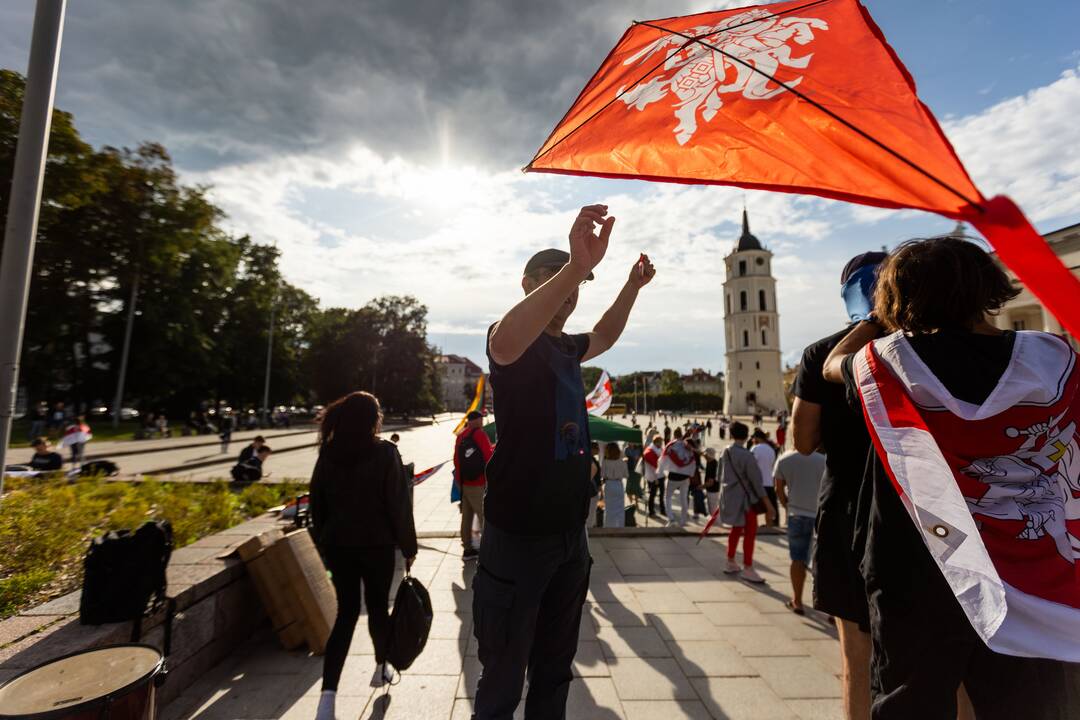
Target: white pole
269,355
118,400
22,218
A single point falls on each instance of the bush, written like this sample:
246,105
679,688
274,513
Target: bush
46,524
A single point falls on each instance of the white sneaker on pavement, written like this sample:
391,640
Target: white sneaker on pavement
749,574
731,568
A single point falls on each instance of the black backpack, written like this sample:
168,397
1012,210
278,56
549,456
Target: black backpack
124,578
99,467
410,623
470,460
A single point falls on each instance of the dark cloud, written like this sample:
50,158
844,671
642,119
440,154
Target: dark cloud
220,81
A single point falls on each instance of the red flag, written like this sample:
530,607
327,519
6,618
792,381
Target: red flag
801,96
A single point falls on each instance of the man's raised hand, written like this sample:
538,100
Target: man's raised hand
587,248
642,272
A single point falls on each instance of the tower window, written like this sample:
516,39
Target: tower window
740,364
758,384
742,300
742,267
757,366
746,338
763,340
728,304
761,299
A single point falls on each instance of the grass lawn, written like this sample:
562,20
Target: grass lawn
47,525
101,428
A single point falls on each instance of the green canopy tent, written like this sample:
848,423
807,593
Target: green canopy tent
600,430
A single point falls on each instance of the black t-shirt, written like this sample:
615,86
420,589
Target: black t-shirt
48,461
843,430
970,367
538,478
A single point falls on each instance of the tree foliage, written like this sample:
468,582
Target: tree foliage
117,220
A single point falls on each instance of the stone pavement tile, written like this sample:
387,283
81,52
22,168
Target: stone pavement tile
650,679
797,677
63,605
741,699
589,660
827,651
589,699
707,589
766,602
732,613
618,614
417,697
456,599
587,629
762,641
831,709
470,675
346,707
20,626
665,710
440,657
635,561
448,625
632,642
678,560
264,660
665,599
685,627
710,658
617,542
688,573
811,626
355,677
244,696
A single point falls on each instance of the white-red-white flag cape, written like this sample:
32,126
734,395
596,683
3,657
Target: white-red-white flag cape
994,489
599,399
425,474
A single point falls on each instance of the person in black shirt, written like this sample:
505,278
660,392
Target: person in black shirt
822,418
938,293
250,451
44,459
533,573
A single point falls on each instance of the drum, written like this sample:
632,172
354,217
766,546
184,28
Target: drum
109,683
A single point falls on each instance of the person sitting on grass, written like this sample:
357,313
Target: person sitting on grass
251,470
45,459
250,451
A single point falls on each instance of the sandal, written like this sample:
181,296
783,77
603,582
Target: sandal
798,610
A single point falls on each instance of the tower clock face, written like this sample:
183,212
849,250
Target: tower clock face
760,261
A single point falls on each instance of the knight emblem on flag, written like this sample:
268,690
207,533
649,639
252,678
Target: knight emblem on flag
698,75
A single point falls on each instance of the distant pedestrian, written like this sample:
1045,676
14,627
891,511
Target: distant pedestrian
765,454
226,424
75,438
654,479
667,433
708,428
615,473
252,469
697,483
677,463
39,416
250,451
742,496
712,481
361,514
472,451
633,481
57,419
596,478
44,459
798,479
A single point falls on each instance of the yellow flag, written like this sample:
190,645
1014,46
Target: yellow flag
477,401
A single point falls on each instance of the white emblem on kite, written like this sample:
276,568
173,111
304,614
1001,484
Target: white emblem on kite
699,75
1039,483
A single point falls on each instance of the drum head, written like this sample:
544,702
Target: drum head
84,677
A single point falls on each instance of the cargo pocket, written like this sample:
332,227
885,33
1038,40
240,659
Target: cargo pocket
492,600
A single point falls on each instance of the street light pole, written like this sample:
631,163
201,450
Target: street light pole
269,355
25,201
118,400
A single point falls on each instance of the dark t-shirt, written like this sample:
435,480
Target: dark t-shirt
49,461
970,367
843,430
538,478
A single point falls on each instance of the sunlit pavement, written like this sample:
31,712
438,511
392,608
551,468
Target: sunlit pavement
666,633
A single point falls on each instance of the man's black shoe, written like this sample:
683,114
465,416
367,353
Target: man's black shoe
470,554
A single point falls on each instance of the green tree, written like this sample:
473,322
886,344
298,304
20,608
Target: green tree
590,376
670,382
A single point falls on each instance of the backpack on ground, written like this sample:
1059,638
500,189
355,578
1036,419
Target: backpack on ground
124,578
99,467
410,623
470,459
244,473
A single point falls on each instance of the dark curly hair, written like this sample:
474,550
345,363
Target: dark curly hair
937,284
349,425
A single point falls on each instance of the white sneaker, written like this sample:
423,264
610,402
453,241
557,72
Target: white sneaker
750,575
383,674
731,568
325,710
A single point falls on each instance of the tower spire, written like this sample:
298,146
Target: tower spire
747,241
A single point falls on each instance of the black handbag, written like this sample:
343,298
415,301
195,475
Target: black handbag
410,623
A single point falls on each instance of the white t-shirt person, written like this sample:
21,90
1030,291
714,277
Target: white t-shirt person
802,479
766,458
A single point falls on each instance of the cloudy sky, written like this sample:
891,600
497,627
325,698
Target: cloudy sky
379,145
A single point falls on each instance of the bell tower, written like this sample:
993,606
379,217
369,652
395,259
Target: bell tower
753,383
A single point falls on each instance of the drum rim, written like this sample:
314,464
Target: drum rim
62,712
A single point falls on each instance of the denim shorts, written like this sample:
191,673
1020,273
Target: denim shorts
800,532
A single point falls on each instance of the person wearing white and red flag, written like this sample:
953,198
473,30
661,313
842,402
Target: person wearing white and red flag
972,534
650,461
678,464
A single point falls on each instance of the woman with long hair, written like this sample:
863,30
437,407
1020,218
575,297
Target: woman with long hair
360,511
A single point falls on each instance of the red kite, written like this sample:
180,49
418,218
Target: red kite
799,97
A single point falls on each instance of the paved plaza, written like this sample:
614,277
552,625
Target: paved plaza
665,634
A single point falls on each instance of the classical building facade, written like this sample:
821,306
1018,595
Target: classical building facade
753,381
455,374
1025,312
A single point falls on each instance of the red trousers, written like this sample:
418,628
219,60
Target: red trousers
749,528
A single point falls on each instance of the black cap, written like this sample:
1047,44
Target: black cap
552,258
474,415
861,261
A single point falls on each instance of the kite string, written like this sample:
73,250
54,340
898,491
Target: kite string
827,111
691,39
